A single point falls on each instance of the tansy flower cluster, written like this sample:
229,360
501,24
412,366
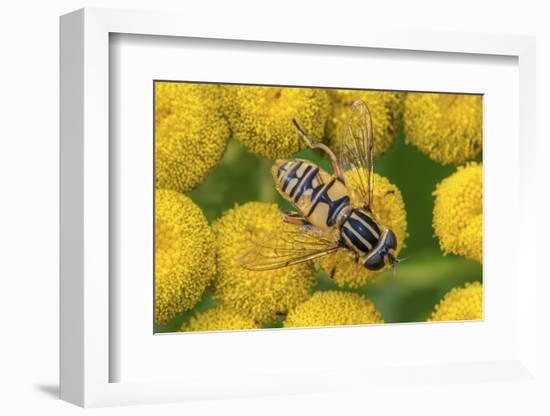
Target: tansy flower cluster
260,295
460,304
332,308
190,133
457,216
219,318
446,127
198,262
184,261
261,117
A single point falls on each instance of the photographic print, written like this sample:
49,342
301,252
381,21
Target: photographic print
294,207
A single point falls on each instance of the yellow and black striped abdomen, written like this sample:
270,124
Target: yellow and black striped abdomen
317,194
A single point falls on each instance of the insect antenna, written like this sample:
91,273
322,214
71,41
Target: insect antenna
302,133
323,147
403,259
395,261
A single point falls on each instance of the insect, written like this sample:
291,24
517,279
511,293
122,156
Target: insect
325,219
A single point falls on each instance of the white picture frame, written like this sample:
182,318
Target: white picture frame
86,294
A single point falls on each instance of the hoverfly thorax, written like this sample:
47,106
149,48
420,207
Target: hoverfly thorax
371,242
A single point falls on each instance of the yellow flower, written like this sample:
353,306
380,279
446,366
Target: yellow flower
460,304
190,133
458,212
386,108
332,308
220,318
389,210
446,127
184,254
257,294
261,117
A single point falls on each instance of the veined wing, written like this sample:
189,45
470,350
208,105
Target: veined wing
288,247
357,150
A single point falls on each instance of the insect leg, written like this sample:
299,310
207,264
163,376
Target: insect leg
334,160
288,212
295,219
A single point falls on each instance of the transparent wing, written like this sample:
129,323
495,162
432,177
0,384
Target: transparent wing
291,245
357,150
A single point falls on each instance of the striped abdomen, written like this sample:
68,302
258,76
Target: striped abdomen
318,195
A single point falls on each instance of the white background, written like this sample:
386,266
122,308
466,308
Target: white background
29,209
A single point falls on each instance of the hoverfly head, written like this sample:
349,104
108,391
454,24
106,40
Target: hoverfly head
384,253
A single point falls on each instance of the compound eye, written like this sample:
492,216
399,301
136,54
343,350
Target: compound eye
391,241
374,262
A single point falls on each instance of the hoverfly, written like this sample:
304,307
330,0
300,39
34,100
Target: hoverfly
325,219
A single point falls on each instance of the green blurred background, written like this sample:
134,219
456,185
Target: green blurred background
418,284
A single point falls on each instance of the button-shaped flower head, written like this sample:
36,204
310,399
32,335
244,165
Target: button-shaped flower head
184,254
389,210
261,117
260,295
333,308
446,127
190,133
458,212
460,304
219,318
